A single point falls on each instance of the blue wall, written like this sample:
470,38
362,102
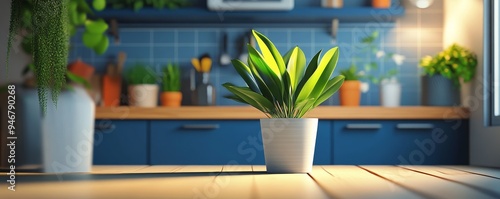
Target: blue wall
417,34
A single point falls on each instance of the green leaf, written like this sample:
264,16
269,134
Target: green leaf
96,27
244,71
309,71
91,40
77,79
270,54
331,87
252,98
316,83
295,67
272,81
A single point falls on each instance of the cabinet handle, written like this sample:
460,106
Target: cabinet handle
415,126
363,126
104,127
200,126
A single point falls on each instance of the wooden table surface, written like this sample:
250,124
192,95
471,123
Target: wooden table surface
247,181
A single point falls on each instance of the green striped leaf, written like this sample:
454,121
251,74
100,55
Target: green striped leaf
270,53
331,87
245,73
316,83
295,67
252,98
272,81
309,71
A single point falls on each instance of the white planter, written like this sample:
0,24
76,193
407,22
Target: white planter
390,94
289,144
143,95
68,133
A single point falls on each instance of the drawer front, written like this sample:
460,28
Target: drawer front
361,142
219,142
121,142
432,142
407,142
206,142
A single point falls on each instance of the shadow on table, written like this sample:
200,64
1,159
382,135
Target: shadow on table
68,177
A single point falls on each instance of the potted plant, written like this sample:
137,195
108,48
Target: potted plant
390,88
142,89
381,3
171,95
45,28
284,89
350,92
443,74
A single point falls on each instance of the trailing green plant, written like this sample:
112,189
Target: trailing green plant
45,28
455,63
369,46
171,78
351,73
282,86
139,4
141,74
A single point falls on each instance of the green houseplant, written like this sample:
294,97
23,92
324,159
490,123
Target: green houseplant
45,28
284,89
171,95
350,92
142,89
443,74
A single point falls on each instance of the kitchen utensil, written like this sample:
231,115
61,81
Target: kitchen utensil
196,64
206,64
225,59
205,91
243,53
120,63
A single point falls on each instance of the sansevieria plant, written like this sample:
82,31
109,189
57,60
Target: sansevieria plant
282,86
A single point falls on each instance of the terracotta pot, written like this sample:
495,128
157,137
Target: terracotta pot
350,93
381,3
171,99
111,90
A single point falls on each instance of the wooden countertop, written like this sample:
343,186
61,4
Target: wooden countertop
251,181
247,112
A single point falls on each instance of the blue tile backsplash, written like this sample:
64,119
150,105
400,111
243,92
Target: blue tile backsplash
157,46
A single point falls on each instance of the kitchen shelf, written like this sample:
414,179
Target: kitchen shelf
297,15
247,112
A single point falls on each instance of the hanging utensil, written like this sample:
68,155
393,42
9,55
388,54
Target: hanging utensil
196,64
225,58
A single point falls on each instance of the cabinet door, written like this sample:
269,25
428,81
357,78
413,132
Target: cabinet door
432,142
206,142
414,142
118,142
323,150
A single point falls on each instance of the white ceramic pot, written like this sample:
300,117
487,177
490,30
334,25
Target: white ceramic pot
68,133
390,94
289,144
143,95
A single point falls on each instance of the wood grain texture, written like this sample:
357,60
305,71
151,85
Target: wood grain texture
247,112
430,186
247,181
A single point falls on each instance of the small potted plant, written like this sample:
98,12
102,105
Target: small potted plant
171,95
350,92
284,89
390,88
142,89
443,74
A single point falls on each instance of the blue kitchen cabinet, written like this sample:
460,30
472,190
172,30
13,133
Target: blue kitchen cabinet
209,142
400,142
121,142
212,142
